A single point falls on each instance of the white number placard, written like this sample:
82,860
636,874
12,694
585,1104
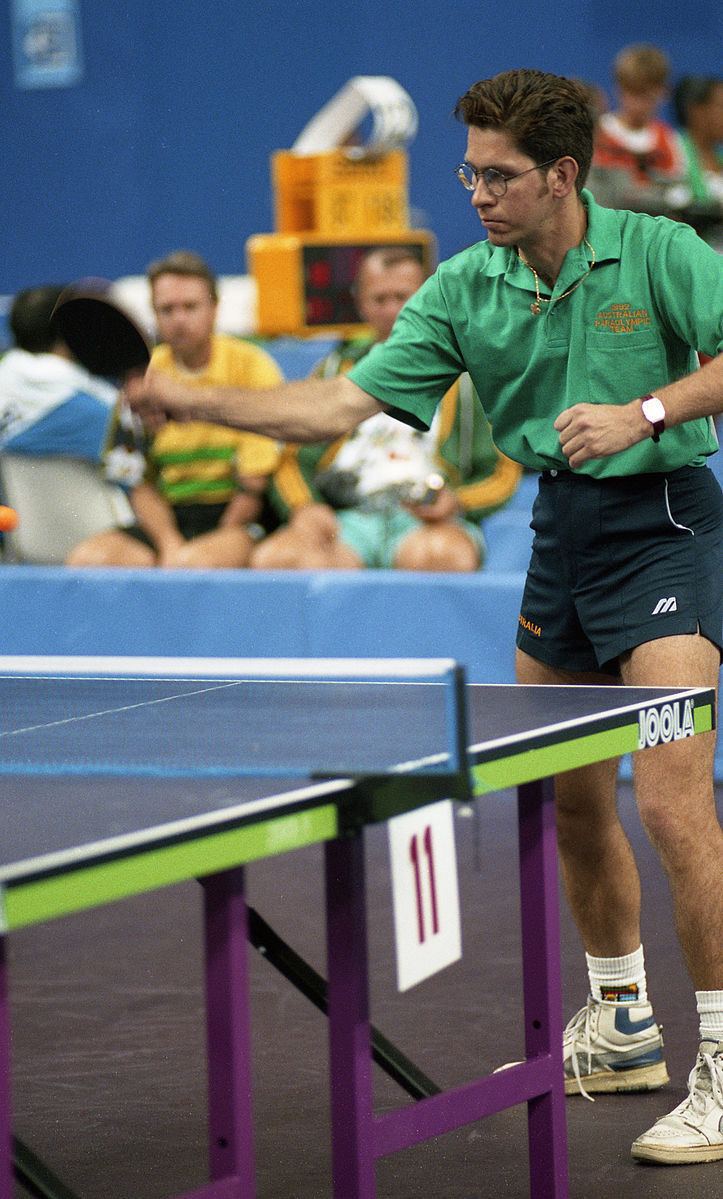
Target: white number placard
425,892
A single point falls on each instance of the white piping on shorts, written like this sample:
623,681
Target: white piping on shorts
670,514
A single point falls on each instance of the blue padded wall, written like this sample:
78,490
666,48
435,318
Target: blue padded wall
248,614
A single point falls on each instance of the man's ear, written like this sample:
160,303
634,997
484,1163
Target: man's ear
565,172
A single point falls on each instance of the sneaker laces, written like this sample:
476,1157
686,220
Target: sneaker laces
579,1029
705,1083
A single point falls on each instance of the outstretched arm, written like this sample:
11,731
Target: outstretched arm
598,430
307,411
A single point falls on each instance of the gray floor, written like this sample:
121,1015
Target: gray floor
108,1050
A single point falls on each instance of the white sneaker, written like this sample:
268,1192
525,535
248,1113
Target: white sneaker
613,1047
694,1131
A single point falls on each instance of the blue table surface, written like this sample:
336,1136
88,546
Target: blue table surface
82,760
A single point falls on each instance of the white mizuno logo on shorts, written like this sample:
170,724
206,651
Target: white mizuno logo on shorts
665,605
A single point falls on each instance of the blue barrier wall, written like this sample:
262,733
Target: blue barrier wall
165,139
259,614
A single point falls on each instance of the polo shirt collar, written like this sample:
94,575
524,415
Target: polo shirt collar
603,228
603,232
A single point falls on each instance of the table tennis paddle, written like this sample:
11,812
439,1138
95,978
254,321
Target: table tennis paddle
99,333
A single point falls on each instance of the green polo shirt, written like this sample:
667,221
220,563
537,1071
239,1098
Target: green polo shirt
654,296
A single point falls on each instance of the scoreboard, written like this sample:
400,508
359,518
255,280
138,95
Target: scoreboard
331,208
305,281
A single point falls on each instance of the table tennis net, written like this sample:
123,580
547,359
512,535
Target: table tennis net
225,727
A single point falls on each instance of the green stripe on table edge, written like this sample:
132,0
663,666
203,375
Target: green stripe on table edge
547,760
91,885
703,718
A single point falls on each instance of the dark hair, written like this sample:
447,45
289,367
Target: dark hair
184,262
30,318
692,90
548,116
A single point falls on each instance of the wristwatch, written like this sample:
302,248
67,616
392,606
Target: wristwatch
654,412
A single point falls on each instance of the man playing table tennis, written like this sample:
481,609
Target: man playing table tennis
567,302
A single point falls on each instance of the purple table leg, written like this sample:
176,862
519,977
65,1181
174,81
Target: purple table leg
541,984
231,1137
352,1130
7,1189
353,1125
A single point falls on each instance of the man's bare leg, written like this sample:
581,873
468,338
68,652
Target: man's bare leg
676,799
675,793
613,1043
596,860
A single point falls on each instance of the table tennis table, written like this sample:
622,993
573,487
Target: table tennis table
308,752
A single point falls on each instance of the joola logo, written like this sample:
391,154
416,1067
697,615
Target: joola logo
672,722
669,604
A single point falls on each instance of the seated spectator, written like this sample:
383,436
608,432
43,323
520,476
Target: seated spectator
200,502
49,403
698,103
637,155
388,495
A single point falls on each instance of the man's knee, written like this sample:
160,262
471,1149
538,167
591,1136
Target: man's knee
274,553
111,549
438,548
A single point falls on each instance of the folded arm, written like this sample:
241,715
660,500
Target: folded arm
598,430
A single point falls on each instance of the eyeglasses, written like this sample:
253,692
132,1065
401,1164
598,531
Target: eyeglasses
494,181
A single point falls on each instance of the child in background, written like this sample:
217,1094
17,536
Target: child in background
637,154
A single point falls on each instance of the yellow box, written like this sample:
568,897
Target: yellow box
304,280
333,194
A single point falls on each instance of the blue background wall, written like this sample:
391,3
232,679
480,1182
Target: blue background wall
166,139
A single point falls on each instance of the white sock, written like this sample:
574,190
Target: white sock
710,1010
618,980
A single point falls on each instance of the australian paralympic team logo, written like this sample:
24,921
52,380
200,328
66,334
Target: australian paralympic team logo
670,722
622,318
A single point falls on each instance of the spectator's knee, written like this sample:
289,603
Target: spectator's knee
438,548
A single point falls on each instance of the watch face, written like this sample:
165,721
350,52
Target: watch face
653,410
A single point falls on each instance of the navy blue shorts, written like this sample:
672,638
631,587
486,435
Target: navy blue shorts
619,562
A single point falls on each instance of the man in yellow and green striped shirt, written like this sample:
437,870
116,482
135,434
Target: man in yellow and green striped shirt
198,490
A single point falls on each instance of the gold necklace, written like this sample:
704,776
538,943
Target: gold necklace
536,305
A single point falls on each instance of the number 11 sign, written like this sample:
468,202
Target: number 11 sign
425,892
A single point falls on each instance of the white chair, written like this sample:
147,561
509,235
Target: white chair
59,501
